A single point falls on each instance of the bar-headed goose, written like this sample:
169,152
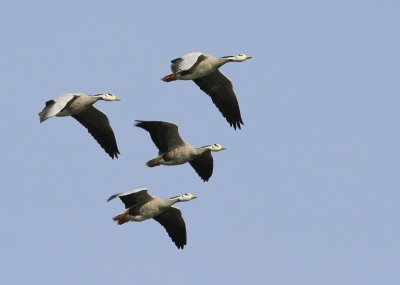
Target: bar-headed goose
203,70
80,107
142,206
174,151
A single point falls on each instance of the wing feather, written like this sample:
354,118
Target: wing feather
185,62
165,135
131,198
171,219
203,165
98,125
220,89
55,106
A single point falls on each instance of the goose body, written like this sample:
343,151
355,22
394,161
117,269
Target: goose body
180,154
174,151
203,70
80,107
141,206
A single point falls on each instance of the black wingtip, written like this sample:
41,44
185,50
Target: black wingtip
139,123
180,244
236,124
112,197
114,154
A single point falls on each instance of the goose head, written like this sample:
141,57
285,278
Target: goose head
186,197
216,147
108,97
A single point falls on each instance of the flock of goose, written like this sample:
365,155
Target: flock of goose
172,149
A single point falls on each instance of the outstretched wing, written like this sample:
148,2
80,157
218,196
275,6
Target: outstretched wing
55,106
172,220
220,89
98,125
164,135
131,198
185,62
203,165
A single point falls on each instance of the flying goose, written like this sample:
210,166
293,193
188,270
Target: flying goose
80,107
174,151
141,206
203,70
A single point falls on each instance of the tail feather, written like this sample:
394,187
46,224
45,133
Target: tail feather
120,219
169,78
154,162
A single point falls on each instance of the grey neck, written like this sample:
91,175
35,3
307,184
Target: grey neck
203,149
223,60
98,97
171,201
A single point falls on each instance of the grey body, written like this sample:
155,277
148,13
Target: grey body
148,210
181,154
141,206
80,107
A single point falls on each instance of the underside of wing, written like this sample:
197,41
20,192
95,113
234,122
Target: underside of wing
131,198
220,89
98,125
55,106
165,135
172,220
203,165
185,62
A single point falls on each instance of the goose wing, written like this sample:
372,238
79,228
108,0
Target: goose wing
132,198
164,135
171,219
56,105
185,62
203,165
98,125
220,89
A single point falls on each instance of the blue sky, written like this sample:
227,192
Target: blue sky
307,192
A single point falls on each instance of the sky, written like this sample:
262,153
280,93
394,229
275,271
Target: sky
306,193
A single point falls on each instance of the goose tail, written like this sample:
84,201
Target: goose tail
120,219
154,162
169,78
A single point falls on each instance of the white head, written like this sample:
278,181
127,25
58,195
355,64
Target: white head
108,97
216,147
186,197
238,58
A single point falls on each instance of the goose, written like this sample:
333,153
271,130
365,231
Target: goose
174,151
80,107
203,70
142,206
